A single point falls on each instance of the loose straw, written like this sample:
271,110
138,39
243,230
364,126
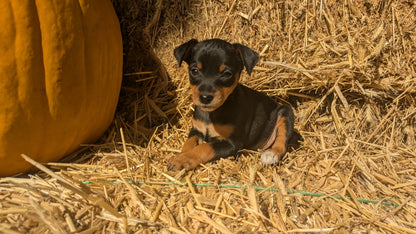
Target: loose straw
306,193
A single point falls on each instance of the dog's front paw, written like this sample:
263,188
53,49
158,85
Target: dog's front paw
184,160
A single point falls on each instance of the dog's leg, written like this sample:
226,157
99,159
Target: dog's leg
284,125
194,138
202,153
190,143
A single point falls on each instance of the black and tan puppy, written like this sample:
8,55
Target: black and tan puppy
229,116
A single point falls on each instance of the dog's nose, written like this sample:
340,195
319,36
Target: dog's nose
205,98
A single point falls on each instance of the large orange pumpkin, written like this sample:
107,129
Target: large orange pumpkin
60,77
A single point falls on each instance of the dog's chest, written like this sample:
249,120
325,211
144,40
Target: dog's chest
211,130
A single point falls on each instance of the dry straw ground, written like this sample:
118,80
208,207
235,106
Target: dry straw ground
348,69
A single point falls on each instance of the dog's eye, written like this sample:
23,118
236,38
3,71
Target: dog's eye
194,71
227,74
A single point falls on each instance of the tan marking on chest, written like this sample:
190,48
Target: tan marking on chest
220,131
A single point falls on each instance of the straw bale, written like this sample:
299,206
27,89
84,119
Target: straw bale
348,68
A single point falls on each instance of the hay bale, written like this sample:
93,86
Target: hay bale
347,68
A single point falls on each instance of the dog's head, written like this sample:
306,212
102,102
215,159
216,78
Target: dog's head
214,69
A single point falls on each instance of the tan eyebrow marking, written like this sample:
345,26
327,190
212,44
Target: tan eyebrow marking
222,68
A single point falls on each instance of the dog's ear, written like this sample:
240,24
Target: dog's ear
248,56
183,52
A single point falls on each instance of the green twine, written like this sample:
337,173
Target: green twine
256,188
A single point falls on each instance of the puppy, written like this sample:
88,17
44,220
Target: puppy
229,116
